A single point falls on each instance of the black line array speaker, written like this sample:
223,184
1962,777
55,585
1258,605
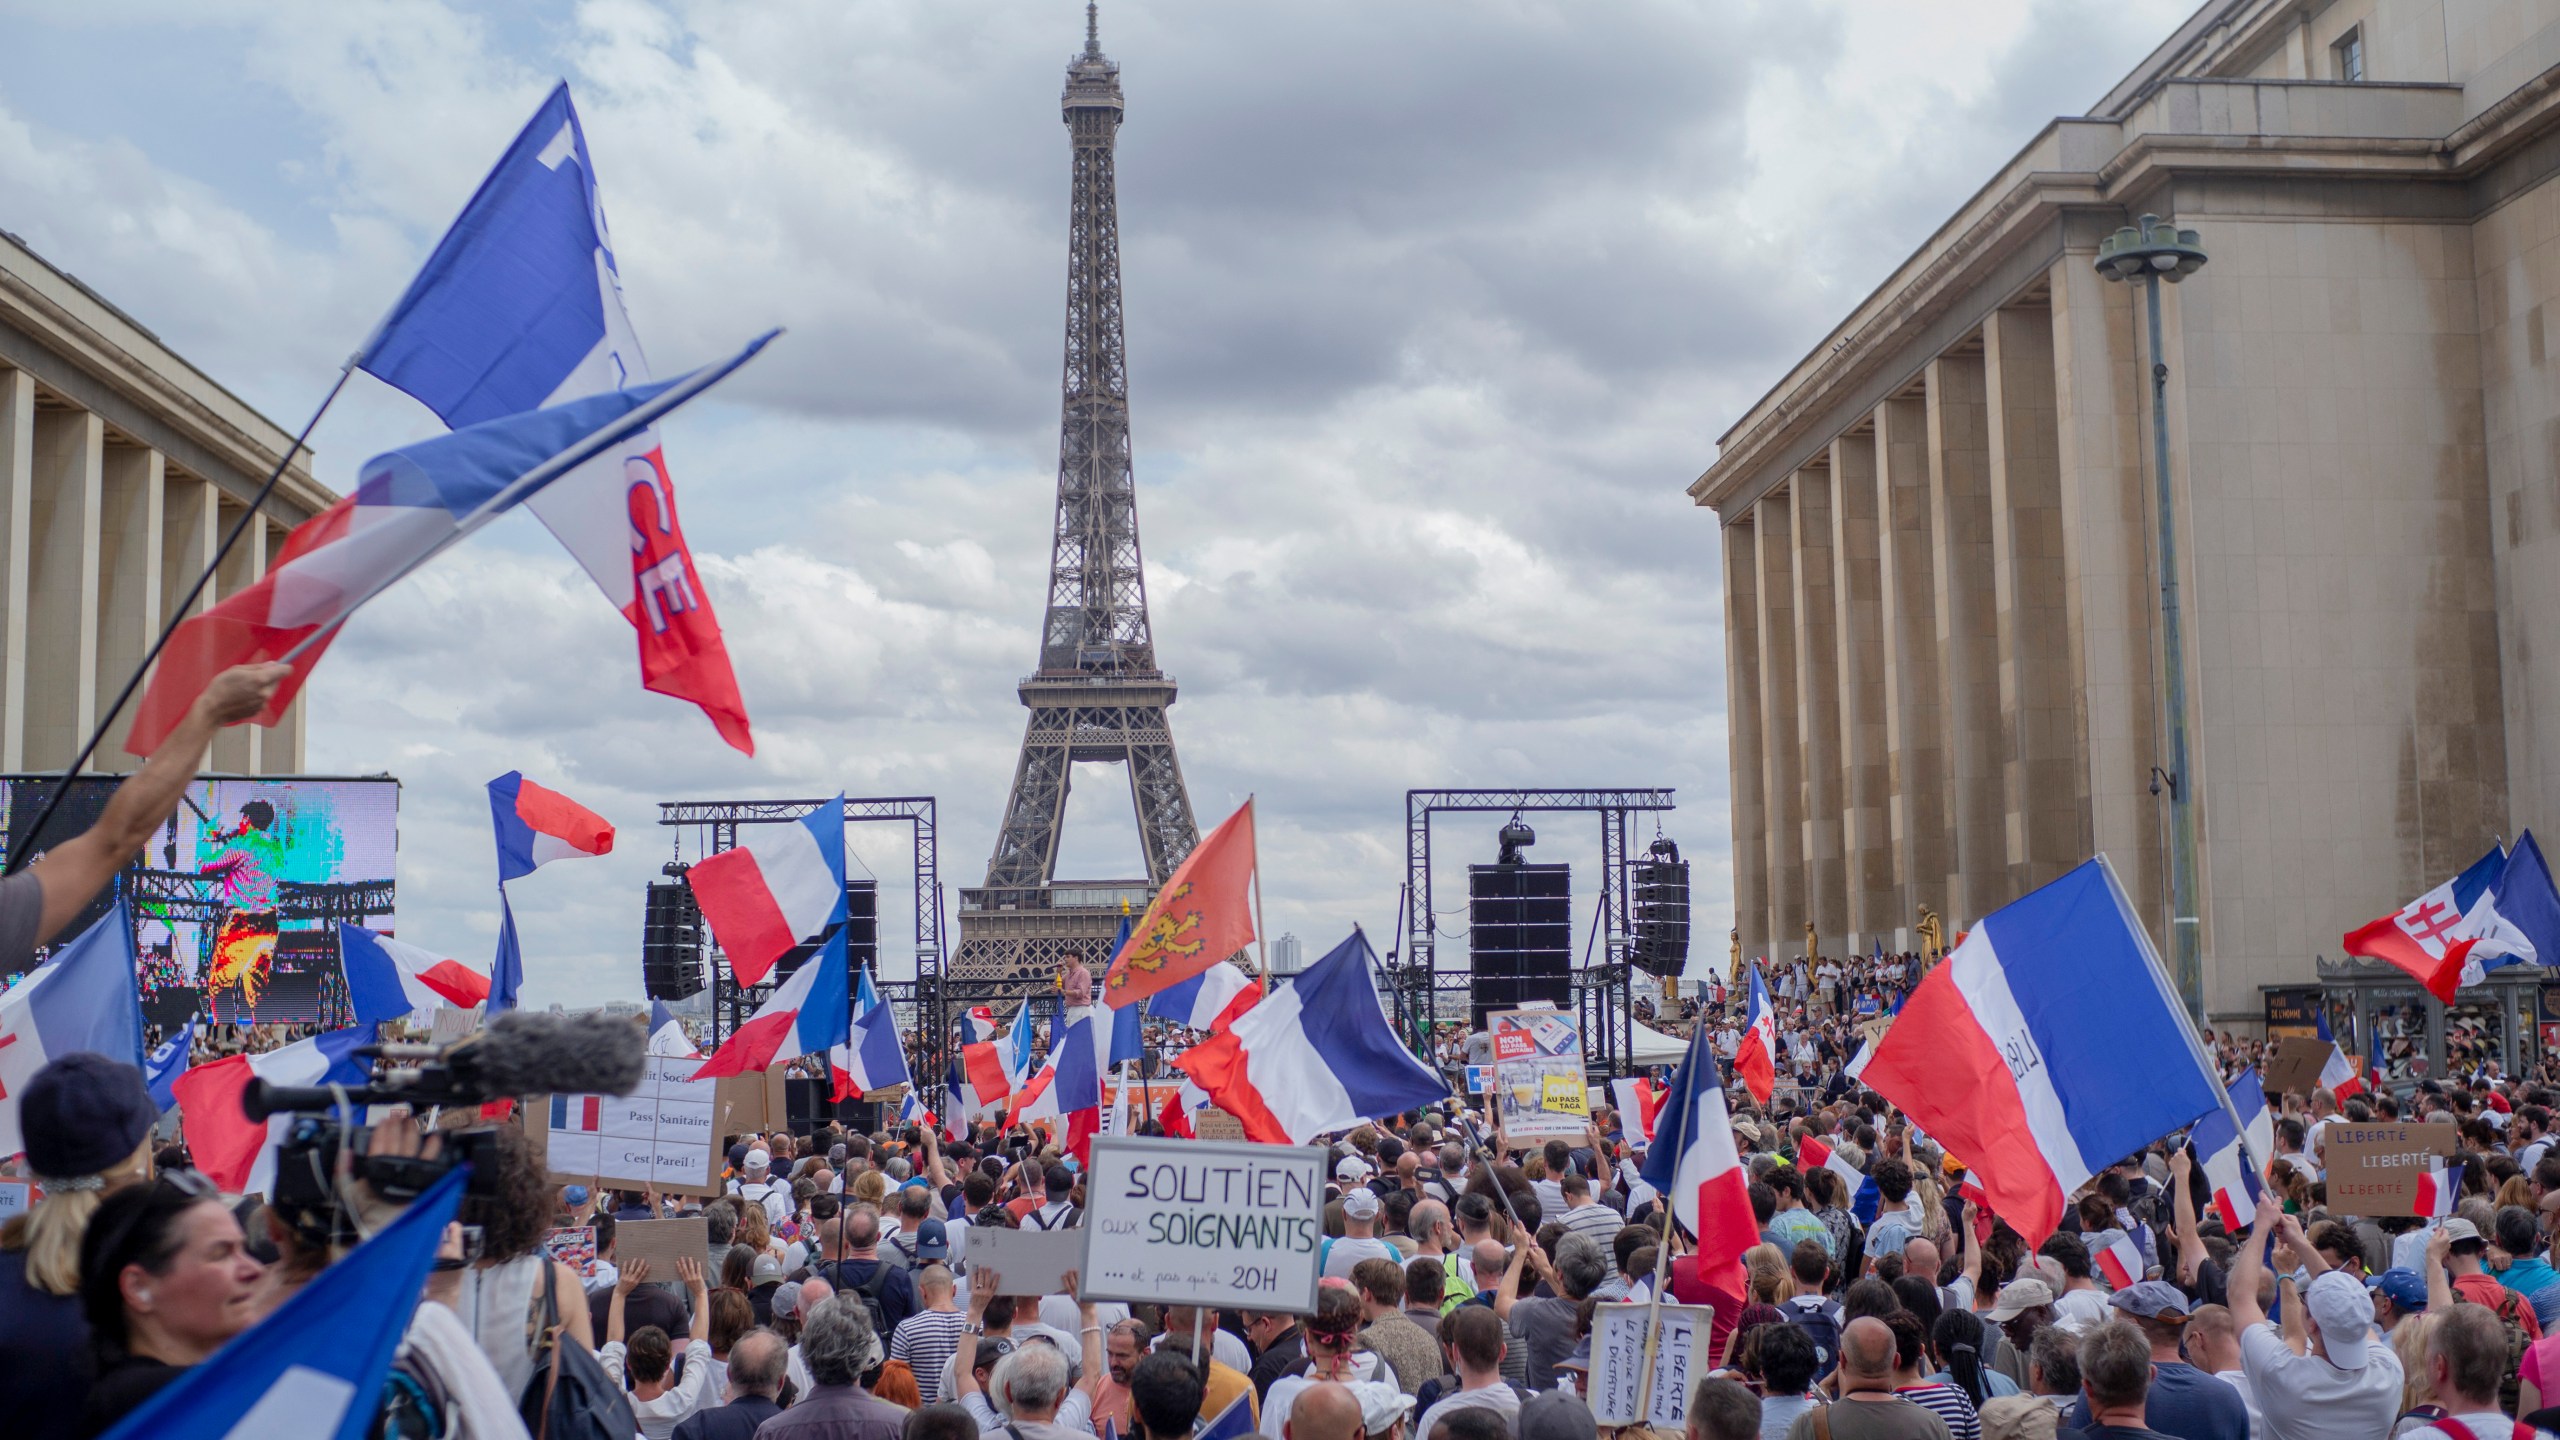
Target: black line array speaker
1519,936
1659,896
670,942
861,934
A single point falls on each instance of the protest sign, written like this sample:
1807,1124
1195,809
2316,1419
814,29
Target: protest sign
1195,1222
1478,1077
662,1133
1538,1077
1030,1262
15,1198
2375,1169
1617,1363
2296,1065
573,1246
1216,1124
662,1243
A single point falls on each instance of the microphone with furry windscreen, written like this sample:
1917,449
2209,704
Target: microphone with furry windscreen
520,1053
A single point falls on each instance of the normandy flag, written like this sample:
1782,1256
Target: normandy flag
1202,915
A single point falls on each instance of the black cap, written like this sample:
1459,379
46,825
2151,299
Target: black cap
84,1113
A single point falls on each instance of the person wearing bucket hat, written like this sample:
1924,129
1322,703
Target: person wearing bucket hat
2348,1384
86,1122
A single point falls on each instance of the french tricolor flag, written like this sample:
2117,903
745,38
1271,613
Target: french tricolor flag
666,1034
389,980
1813,1154
2439,1188
981,1023
1314,1055
1756,1058
2047,1046
535,827
81,999
2121,1263
1639,1100
1697,1168
1069,1085
872,1058
1219,993
2230,1153
782,885
238,1153
577,1114
912,1110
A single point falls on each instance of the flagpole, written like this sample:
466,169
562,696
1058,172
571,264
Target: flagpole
183,611
1670,1213
1253,832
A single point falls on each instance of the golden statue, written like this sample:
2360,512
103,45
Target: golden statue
1735,978
1812,946
1933,938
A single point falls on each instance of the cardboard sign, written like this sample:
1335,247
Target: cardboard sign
1532,1050
1194,1222
1029,1262
2295,1068
664,1133
2375,1169
575,1247
662,1243
1216,1124
1617,1363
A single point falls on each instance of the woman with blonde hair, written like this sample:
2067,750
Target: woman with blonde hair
86,1123
1767,1271
871,1188
2418,1405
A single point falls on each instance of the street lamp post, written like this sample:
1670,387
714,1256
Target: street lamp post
2156,252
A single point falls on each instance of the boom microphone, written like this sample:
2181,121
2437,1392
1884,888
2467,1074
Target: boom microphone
519,1053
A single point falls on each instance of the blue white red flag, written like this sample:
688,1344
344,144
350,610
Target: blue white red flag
2439,1188
409,506
1219,993
912,1110
2121,1263
780,887
2452,935
2046,1046
535,826
1813,1154
1755,1059
2228,1154
1019,1049
519,307
981,1023
84,998
390,980
1315,1055
167,1061
2338,1073
238,1153
1233,1423
1692,1164
872,1057
1070,1080
314,1367
666,1034
809,1014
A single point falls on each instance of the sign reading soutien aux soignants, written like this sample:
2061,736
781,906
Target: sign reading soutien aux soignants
1200,1222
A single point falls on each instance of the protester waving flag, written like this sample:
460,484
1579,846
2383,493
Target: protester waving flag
315,1367
2226,1153
872,1058
666,1034
1315,1055
1219,993
81,999
2338,1074
2452,935
234,1151
166,1062
2045,1047
390,980
535,827
1756,1058
520,306
1693,1164
779,887
409,506
1203,914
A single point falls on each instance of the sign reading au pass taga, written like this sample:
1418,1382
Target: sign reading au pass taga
1199,1222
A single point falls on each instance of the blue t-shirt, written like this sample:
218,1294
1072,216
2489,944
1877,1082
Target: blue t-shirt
2185,1402
2532,1277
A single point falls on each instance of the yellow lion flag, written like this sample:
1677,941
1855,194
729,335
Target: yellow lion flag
1203,914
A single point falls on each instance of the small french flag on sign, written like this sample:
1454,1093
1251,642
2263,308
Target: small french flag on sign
2439,1188
2121,1263
581,1114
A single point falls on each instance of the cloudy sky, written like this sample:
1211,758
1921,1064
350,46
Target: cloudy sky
1434,307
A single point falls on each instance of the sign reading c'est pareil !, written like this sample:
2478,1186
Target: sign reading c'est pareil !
1199,1222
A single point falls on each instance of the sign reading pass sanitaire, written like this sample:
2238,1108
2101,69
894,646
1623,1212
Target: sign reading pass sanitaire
1200,1222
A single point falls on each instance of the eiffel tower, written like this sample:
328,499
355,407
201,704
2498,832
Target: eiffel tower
1097,695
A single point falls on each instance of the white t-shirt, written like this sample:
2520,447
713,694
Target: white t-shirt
1343,1252
2304,1397
774,1196
2080,1311
2248,1396
1365,1365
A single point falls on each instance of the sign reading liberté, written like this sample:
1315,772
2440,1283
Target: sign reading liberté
1201,1222
2375,1169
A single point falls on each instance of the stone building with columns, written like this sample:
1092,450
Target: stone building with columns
1939,540
121,468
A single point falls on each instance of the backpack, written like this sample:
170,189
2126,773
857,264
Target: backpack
1032,1219
570,1397
2509,1309
1820,1323
870,1290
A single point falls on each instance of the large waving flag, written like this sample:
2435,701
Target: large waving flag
410,505
84,998
872,1057
1219,993
167,1061
2527,900
780,887
1755,1059
535,826
1315,1055
316,1366
1812,1154
2045,1047
2337,1073
666,1034
390,980
2228,1155
808,1015
2450,936
1694,1165
1069,1084
1203,914
1638,1100
238,1153
520,306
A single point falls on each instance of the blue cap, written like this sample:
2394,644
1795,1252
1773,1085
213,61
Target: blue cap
575,1194
933,1241
2404,1287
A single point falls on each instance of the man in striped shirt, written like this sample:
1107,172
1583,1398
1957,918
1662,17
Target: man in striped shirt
1586,1216
927,1339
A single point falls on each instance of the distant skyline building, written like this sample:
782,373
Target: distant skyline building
1942,594
1285,956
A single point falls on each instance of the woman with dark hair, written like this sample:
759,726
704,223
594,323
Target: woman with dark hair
1912,1383
1957,1342
505,1298
165,1279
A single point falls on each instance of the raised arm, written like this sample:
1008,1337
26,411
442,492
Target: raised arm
2247,1265
623,1284
689,1270
2191,1251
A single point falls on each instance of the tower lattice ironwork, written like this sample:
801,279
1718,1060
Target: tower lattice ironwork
1097,694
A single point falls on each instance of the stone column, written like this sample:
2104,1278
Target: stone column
1968,634
2040,755
1746,755
235,749
1914,724
130,530
1857,586
2110,602
17,489
1817,718
1781,773
62,585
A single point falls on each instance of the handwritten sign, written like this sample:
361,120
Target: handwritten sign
1030,1262
2295,1067
1216,1124
663,1133
1617,1363
2375,1169
1533,1051
1197,1222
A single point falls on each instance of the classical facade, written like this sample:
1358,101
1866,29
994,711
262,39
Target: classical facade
121,467
1941,573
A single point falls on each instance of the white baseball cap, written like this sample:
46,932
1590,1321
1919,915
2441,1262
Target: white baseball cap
758,1160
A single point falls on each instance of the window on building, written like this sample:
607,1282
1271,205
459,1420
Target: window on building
2346,56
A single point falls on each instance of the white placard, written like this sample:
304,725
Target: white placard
1617,1362
1030,1262
14,1197
660,1132
1203,1222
